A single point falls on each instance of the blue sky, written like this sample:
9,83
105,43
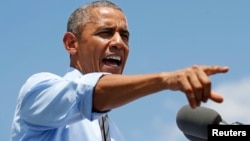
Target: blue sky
166,35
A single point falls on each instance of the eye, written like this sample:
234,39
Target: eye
125,37
105,34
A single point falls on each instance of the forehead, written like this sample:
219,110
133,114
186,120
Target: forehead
108,16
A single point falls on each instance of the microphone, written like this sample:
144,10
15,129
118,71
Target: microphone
193,122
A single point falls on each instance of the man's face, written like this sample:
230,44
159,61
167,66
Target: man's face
103,45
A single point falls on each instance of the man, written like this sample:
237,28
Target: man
69,108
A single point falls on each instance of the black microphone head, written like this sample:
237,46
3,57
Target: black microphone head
194,122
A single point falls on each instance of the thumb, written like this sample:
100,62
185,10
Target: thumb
216,97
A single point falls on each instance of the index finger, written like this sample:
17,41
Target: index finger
210,70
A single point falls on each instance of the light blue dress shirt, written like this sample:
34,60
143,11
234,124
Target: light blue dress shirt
54,108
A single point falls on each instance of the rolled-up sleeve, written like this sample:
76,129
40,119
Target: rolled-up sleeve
50,101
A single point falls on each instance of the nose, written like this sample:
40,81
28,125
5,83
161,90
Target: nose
117,41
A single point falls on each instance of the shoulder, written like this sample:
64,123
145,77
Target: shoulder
42,76
40,79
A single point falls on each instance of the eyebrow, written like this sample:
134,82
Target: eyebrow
124,31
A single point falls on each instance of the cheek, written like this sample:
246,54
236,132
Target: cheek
126,53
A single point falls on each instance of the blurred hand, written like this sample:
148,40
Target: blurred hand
195,83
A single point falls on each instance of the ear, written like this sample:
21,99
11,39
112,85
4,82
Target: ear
70,43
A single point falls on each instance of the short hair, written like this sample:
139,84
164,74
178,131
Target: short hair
82,15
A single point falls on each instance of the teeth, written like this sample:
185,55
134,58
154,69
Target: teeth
118,58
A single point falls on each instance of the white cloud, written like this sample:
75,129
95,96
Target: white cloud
166,130
234,108
236,101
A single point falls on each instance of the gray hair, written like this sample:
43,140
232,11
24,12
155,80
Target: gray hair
82,15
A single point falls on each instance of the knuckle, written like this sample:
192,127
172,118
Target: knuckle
214,67
180,76
199,88
188,72
195,67
207,82
188,90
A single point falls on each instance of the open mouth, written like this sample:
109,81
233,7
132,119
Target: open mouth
112,61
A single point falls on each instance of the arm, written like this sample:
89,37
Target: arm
48,101
116,90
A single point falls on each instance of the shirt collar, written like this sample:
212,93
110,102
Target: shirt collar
72,74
